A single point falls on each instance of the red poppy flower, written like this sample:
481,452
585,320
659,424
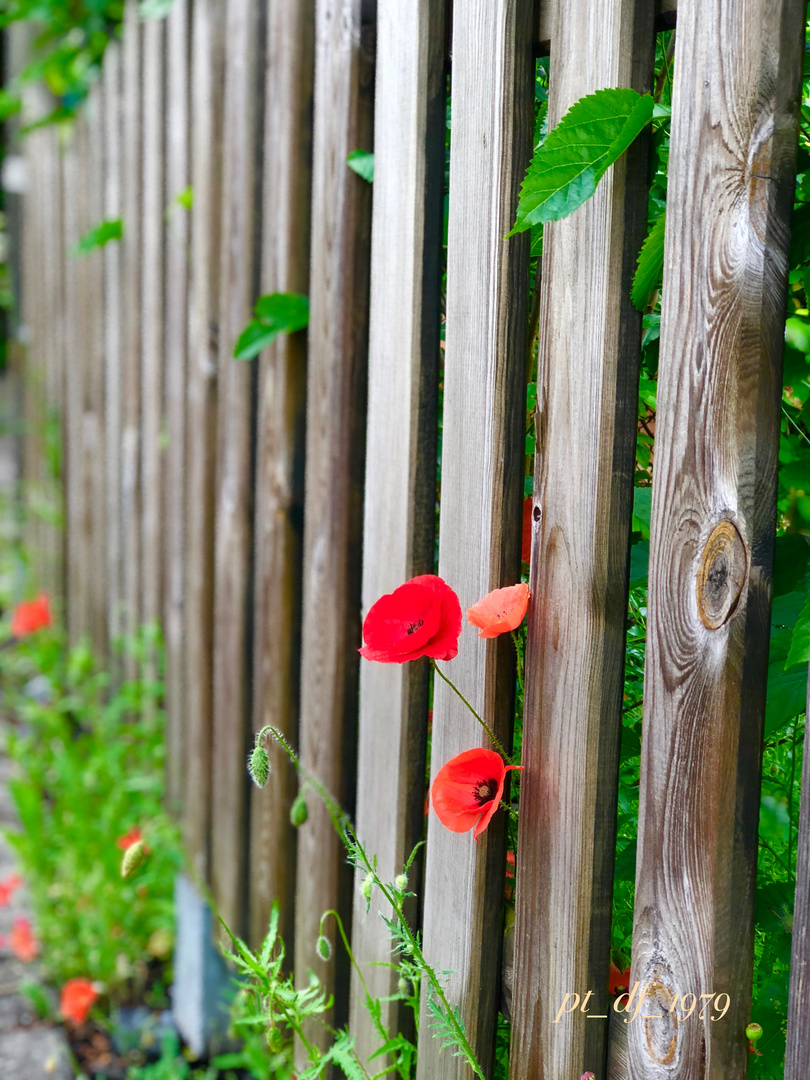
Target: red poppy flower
510,875
129,838
30,616
21,940
618,981
526,536
500,611
468,789
420,618
8,887
77,999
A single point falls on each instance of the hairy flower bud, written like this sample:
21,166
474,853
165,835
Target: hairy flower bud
299,812
366,887
323,947
404,987
401,882
259,766
134,856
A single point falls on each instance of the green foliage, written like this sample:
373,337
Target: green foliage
362,162
566,168
650,267
89,769
98,236
277,313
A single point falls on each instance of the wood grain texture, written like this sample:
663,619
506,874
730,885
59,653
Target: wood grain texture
281,408
176,268
233,570
335,444
400,482
665,16
131,211
587,398
798,1030
731,179
492,90
207,73
152,356
111,99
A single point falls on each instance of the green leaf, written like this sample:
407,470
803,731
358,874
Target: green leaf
797,334
185,198
362,162
277,313
98,236
566,168
639,562
650,267
642,505
799,652
155,9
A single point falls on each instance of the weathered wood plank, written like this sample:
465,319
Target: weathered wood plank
492,89
239,255
665,13
152,355
335,443
111,91
587,397
131,209
798,1031
731,179
207,58
176,262
278,545
400,484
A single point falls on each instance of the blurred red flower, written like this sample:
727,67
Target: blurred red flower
420,618
468,789
31,616
8,887
500,610
526,537
21,940
77,999
510,875
129,838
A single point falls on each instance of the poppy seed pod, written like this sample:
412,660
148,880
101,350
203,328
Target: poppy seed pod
753,1032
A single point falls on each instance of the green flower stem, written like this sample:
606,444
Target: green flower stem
493,737
519,660
513,814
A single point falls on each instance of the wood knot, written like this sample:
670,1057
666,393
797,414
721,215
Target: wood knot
721,575
661,1038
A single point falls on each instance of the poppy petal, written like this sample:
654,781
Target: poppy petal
500,611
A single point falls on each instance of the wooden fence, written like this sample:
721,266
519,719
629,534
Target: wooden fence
257,510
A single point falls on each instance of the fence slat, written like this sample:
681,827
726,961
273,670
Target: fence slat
336,392
207,58
730,188
400,482
280,455
587,396
131,207
798,1030
176,261
111,98
234,504
152,356
492,89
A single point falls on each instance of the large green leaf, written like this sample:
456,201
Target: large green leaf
568,165
799,652
362,162
98,236
277,313
650,267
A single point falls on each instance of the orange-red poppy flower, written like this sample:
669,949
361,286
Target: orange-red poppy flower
8,887
510,875
21,940
31,616
77,999
500,611
420,618
468,789
129,838
618,981
526,534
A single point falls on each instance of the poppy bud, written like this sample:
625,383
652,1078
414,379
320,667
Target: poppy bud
275,1040
323,947
588,1076
366,887
134,856
259,766
299,812
401,882
753,1032
404,987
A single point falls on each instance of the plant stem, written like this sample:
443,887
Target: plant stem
519,659
493,737
790,798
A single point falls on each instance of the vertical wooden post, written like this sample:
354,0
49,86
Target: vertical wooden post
336,397
400,485
587,397
239,251
492,90
207,53
730,192
798,1032
280,455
